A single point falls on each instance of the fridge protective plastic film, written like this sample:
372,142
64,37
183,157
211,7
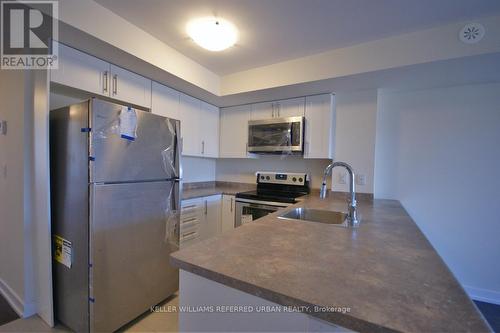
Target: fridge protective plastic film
172,216
132,145
280,139
124,124
169,154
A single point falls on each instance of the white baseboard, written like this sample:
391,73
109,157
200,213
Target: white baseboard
12,298
483,295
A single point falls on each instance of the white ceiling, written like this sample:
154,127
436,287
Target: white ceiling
276,30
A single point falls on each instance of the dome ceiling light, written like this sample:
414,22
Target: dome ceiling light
211,33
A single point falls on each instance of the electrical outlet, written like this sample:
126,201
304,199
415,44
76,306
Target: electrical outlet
3,127
343,178
361,179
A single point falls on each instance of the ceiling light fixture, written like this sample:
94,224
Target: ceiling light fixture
211,33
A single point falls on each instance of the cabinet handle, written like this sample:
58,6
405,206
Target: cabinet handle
115,84
278,107
105,82
231,205
206,207
272,108
203,147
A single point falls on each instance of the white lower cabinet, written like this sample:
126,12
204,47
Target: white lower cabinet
227,213
196,292
200,219
212,210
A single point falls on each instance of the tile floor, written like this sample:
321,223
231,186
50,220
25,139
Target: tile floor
168,322
148,322
492,314
156,321
7,314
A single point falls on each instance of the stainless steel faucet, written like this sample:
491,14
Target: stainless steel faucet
352,217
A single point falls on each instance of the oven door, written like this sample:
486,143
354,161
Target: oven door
276,135
249,210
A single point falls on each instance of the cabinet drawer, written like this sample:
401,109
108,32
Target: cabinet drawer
189,238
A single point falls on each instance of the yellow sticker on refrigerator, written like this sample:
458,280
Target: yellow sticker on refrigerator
62,251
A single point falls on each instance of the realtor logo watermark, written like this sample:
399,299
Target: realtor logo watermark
27,31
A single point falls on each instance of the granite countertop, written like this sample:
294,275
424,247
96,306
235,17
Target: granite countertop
204,189
385,271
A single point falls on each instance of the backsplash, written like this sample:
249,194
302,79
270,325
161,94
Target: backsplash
243,170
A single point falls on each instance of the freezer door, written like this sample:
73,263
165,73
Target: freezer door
151,156
130,268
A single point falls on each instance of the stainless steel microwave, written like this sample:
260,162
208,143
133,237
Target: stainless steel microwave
276,135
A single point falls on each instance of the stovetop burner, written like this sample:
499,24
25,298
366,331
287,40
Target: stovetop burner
272,196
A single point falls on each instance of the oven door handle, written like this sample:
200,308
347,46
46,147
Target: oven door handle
262,204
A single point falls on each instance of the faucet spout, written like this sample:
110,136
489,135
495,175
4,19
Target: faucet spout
352,217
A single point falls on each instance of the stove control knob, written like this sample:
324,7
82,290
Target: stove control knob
300,180
294,179
267,177
262,177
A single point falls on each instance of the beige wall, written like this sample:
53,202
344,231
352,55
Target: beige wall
355,136
25,241
437,152
243,170
12,184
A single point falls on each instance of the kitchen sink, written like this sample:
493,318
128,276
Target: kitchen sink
315,215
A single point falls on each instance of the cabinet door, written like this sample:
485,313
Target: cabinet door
190,125
130,87
210,226
319,126
234,131
289,107
263,110
209,130
165,101
227,213
82,71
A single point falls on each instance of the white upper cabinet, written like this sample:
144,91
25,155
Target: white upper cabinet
293,107
278,109
199,120
130,87
165,101
319,126
189,115
85,72
209,130
82,71
234,131
263,110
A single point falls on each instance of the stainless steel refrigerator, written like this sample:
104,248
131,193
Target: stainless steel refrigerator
115,198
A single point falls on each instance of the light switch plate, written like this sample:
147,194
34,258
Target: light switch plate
361,179
3,127
343,178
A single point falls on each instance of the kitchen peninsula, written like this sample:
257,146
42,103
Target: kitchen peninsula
385,272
